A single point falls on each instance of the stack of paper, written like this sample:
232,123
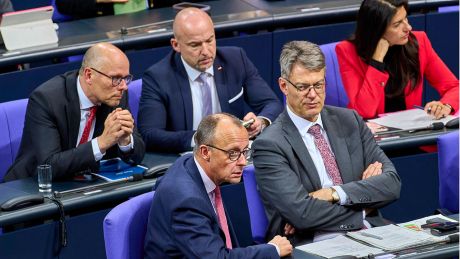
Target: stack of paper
392,237
409,119
339,246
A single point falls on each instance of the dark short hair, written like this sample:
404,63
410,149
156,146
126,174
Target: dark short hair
206,131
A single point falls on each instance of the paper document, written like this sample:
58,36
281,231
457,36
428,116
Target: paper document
409,119
338,246
416,225
392,237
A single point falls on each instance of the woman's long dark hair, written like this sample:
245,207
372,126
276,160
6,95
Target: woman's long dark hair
401,61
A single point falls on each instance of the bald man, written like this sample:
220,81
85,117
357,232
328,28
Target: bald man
76,119
197,79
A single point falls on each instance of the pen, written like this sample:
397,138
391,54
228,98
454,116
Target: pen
422,108
370,235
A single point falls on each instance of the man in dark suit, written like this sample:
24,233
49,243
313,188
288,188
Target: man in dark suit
187,218
318,168
76,119
195,80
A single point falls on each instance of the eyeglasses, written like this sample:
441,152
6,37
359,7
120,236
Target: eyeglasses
318,86
234,155
116,80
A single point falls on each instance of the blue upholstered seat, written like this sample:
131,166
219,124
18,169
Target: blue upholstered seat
134,93
125,227
12,115
335,93
448,171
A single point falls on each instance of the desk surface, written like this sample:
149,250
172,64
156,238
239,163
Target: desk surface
155,26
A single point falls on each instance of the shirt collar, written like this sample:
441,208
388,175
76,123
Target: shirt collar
209,185
302,124
192,73
85,103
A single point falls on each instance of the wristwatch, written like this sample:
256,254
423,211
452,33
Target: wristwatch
335,196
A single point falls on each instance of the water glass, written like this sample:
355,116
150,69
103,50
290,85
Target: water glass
45,176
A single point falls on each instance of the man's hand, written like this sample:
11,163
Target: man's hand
118,127
283,244
372,170
324,194
256,127
289,229
126,121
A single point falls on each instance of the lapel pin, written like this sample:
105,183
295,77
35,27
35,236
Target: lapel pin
219,68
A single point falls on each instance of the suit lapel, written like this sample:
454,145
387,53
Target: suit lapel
72,109
295,139
220,79
338,143
184,90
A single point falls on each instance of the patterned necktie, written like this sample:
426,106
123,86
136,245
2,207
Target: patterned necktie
221,216
89,122
205,95
326,153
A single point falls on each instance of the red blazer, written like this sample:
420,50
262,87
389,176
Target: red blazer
365,85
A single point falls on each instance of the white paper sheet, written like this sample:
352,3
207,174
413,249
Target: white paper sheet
338,246
409,119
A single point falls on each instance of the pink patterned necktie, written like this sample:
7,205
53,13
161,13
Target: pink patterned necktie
89,122
326,153
221,216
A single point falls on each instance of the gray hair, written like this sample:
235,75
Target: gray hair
303,53
206,131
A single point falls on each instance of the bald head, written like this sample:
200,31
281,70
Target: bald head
194,38
189,19
100,55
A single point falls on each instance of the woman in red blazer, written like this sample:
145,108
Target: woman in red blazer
384,63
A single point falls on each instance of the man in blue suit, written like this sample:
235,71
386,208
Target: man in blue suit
187,218
197,79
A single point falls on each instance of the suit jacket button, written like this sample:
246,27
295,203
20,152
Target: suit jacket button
343,227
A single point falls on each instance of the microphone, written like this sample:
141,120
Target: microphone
432,126
95,187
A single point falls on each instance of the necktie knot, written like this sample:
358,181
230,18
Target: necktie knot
203,77
315,130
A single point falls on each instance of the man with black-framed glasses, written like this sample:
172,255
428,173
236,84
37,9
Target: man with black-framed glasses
318,168
187,218
76,119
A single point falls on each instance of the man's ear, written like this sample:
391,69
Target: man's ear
283,86
87,75
175,45
204,152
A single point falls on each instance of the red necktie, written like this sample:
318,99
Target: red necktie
221,216
328,158
89,122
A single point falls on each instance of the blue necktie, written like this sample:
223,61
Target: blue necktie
205,95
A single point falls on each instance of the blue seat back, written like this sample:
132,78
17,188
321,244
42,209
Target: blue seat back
258,218
12,116
335,93
125,227
134,93
448,171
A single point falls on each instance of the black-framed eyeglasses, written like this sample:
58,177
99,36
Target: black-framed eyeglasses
116,80
318,86
234,155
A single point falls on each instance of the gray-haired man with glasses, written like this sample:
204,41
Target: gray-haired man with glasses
318,168
76,119
187,218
